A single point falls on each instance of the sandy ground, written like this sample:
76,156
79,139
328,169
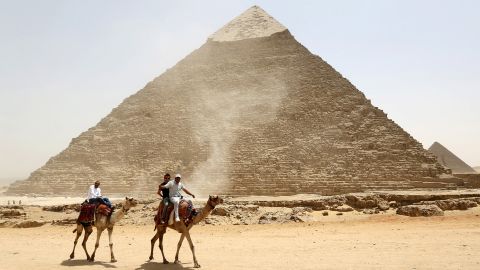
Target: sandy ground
350,241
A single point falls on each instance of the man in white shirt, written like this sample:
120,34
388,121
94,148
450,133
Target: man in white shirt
94,191
94,195
174,188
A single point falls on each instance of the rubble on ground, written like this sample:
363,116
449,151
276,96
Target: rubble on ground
264,210
420,210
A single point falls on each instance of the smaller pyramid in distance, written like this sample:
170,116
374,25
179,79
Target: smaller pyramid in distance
449,159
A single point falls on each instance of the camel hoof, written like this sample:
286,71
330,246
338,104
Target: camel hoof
177,262
196,265
72,256
113,260
150,258
165,262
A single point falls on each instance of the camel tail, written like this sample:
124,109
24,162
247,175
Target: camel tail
74,231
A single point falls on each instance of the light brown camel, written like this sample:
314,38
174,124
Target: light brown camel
102,222
184,230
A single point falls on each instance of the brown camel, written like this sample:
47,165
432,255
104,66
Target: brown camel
184,230
102,222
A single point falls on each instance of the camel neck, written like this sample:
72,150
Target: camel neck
207,209
116,216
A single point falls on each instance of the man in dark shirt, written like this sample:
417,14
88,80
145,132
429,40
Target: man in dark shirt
164,192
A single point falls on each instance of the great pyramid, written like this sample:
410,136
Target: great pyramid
251,112
449,159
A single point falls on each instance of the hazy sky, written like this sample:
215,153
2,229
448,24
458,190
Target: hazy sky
64,65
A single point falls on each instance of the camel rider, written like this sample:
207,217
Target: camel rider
174,192
164,192
94,195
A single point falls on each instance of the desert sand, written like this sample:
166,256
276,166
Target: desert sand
350,241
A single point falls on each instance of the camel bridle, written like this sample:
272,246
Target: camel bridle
211,205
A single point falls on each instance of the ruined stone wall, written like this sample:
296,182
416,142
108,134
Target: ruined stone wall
470,180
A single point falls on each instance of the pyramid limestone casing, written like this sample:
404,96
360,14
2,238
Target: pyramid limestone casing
253,23
258,116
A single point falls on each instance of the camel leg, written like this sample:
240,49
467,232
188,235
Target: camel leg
97,243
189,239
160,245
88,231
178,247
110,243
152,242
79,233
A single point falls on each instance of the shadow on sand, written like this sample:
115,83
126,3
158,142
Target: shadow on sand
149,265
85,262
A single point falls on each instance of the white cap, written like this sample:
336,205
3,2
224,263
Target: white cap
178,175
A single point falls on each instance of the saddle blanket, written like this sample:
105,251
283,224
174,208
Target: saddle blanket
186,211
87,213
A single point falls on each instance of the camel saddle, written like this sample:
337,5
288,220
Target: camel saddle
102,209
88,211
87,214
186,211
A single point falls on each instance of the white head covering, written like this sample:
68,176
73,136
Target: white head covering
178,175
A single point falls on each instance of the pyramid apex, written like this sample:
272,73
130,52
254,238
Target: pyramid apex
253,23
435,143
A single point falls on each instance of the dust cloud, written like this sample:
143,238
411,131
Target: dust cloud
225,113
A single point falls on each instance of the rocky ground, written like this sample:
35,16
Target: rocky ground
353,231
350,241
266,210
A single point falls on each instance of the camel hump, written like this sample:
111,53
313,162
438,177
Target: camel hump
185,203
186,210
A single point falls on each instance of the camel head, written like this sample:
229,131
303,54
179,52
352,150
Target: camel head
129,203
214,200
